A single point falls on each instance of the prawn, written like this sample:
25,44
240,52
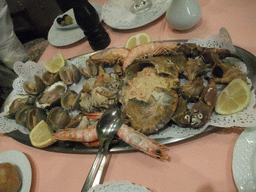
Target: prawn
147,50
143,143
127,134
86,134
110,55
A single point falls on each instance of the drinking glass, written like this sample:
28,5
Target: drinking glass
140,6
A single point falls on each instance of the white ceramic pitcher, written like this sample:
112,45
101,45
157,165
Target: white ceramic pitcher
183,14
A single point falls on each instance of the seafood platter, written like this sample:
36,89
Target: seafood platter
162,88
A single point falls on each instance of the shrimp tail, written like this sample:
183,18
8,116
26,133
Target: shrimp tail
143,143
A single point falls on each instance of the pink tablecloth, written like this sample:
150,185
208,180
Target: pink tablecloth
200,164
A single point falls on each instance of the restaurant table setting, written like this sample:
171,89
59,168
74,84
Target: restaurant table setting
218,156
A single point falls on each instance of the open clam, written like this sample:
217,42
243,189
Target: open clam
21,115
34,116
51,94
29,116
70,100
34,88
50,78
89,70
14,105
58,118
69,76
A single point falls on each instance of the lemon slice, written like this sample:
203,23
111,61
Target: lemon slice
41,135
234,98
139,39
55,63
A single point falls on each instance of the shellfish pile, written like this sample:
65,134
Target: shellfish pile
144,82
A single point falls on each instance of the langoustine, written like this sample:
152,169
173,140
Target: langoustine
129,135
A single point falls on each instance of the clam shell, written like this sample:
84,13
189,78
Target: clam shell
34,88
51,94
58,118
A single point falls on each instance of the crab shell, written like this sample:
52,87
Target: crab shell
155,111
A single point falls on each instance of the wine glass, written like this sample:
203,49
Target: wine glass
140,6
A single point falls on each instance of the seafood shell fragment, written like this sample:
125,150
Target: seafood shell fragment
225,72
149,117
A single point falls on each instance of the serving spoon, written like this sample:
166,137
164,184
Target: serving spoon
107,126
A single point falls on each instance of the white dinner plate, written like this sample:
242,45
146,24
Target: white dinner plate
116,186
21,162
66,35
117,13
244,161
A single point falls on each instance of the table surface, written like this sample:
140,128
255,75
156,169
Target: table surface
201,164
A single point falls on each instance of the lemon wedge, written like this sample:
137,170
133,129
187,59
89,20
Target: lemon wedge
41,135
234,98
55,63
139,39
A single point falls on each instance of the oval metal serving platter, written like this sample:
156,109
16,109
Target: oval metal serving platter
75,147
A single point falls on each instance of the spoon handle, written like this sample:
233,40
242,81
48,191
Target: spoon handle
102,164
97,179
93,171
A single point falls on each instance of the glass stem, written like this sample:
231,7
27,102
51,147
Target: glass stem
140,6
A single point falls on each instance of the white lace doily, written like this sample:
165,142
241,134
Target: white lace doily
221,41
114,186
246,118
117,14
